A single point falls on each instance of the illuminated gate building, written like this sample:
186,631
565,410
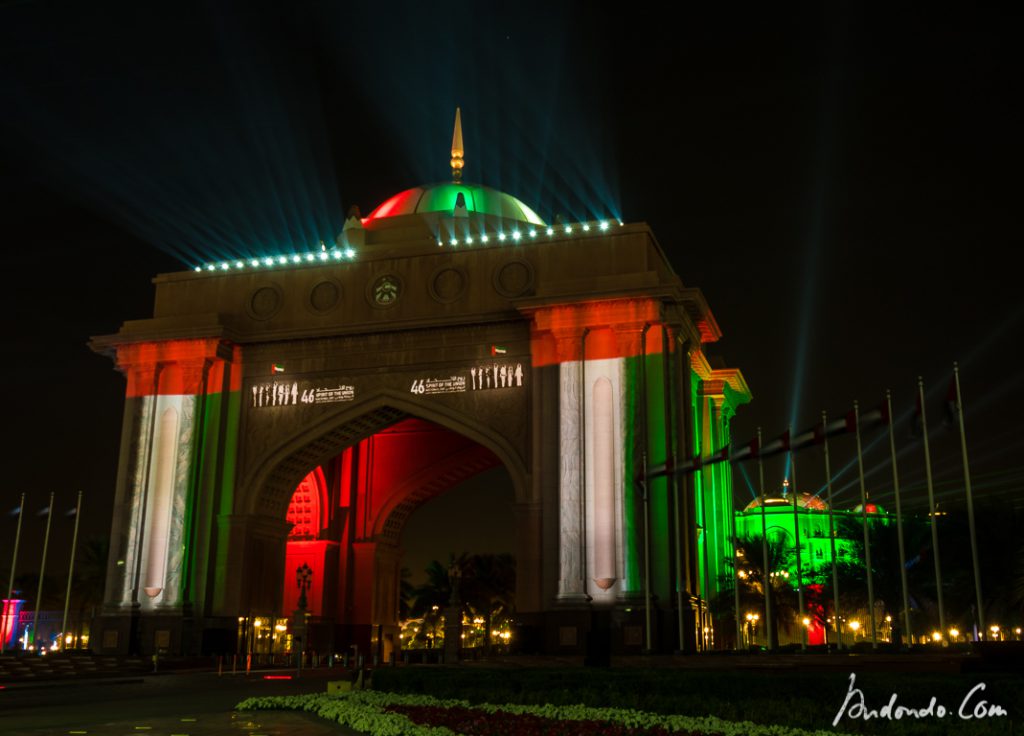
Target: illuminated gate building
296,409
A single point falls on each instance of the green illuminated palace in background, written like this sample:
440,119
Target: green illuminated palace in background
813,515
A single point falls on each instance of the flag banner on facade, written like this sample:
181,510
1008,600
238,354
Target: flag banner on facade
276,368
498,350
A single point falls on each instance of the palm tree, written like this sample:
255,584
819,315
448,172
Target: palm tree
489,588
885,572
752,594
436,591
406,594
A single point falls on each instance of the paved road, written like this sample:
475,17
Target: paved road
185,704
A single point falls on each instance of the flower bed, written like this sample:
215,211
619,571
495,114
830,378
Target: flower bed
393,714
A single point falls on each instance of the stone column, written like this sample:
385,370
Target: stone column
571,582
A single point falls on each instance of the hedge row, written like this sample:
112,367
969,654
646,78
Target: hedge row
771,697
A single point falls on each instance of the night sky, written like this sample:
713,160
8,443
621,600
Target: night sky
843,186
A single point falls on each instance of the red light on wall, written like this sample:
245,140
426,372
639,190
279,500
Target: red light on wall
277,677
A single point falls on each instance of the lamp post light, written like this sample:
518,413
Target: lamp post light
854,627
303,577
1017,632
995,632
752,619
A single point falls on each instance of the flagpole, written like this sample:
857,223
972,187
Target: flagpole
931,507
970,502
796,538
864,524
10,584
71,571
42,572
899,520
764,549
735,565
831,529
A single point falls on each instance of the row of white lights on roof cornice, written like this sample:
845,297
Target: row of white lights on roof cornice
335,254
532,234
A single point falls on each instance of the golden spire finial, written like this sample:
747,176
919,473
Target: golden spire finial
457,162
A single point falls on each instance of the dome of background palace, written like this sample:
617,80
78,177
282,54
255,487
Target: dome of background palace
804,500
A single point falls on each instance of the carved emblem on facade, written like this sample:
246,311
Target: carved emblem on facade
385,291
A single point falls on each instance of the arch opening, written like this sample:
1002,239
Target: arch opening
345,519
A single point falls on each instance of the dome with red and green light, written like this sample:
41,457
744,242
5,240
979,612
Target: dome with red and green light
444,198
454,198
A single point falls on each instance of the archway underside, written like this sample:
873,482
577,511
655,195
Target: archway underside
363,497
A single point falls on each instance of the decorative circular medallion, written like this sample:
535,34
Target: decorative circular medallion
265,302
384,292
324,296
447,284
513,278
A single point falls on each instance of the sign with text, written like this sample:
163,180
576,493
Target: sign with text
288,393
493,375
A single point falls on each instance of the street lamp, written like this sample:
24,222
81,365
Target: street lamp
303,576
954,634
752,619
995,632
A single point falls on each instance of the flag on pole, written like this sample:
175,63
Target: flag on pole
15,511
948,411
43,511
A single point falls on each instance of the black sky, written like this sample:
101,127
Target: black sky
844,185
